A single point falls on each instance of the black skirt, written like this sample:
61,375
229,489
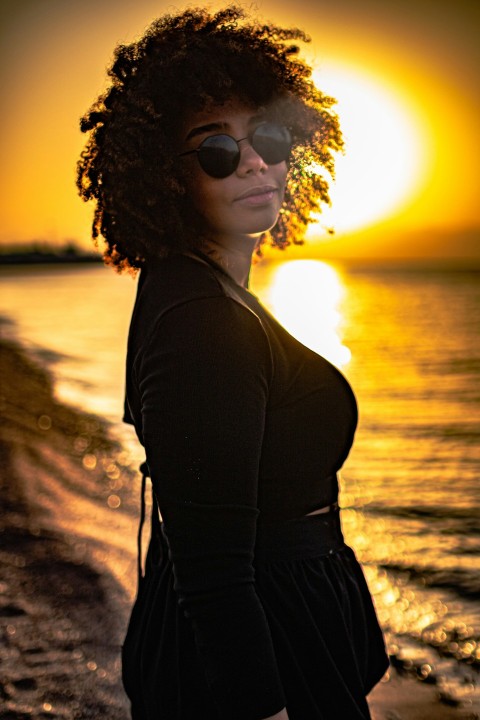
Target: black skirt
328,644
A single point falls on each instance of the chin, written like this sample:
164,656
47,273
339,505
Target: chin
257,227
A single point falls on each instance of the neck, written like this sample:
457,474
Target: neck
234,258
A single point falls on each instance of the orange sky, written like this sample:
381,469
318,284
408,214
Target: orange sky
412,64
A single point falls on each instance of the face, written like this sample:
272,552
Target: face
246,203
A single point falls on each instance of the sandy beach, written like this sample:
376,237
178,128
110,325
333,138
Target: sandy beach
62,616
62,613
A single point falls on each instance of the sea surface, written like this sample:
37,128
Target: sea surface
408,341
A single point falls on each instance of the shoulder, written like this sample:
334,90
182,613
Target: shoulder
180,281
167,284
176,280
185,300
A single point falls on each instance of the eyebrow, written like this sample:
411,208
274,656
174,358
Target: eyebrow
211,127
204,129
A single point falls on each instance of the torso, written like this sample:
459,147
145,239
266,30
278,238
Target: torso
311,413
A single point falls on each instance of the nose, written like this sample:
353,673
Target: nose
251,163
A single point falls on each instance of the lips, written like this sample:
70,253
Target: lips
258,194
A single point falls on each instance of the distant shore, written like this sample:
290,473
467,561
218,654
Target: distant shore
62,614
45,253
34,257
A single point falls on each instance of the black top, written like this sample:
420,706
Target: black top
242,426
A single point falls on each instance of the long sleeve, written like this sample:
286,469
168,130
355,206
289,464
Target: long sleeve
203,381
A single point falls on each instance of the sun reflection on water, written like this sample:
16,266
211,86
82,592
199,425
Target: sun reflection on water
304,296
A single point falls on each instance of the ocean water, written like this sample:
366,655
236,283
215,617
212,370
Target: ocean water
407,339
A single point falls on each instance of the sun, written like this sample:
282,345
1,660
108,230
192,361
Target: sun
304,296
387,150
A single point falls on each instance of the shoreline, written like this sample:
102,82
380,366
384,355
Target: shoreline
63,613
403,697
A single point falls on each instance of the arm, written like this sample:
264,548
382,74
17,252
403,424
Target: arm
204,386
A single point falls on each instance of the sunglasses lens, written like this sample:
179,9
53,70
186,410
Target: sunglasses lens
272,142
219,156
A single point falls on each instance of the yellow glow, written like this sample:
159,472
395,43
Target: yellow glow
304,295
386,150
405,102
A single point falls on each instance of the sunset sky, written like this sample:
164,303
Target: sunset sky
406,75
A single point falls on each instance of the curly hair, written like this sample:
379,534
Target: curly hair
182,64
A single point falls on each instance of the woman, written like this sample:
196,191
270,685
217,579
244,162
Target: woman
208,143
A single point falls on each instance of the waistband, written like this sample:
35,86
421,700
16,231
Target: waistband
309,536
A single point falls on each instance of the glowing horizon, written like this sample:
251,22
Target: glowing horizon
423,173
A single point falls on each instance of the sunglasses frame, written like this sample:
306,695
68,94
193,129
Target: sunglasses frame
236,161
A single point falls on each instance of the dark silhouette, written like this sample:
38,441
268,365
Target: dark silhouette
210,140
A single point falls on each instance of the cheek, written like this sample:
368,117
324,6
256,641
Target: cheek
198,193
206,200
282,175
279,174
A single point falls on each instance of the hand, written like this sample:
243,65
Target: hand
282,715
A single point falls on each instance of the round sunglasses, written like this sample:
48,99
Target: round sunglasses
219,155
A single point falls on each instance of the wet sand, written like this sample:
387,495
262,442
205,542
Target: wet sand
405,698
62,617
63,614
